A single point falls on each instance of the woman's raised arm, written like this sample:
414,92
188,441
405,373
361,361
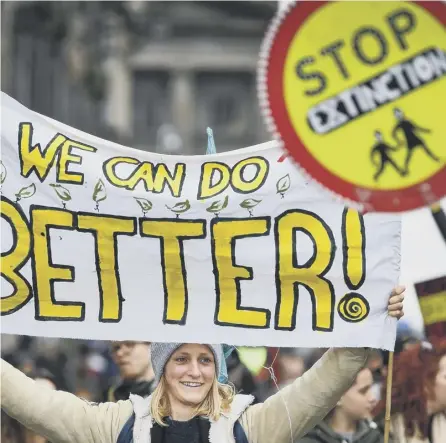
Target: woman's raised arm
60,416
307,400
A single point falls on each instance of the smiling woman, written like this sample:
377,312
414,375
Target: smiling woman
192,402
188,387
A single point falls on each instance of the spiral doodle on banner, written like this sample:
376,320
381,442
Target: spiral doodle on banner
353,307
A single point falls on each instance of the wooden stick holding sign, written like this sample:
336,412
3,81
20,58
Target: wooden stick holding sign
388,398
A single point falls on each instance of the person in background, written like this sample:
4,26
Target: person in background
406,337
135,370
419,394
349,421
379,372
291,366
240,376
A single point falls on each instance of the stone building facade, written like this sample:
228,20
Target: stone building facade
151,75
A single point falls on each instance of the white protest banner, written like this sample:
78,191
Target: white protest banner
100,241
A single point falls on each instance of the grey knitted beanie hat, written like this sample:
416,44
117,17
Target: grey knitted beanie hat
161,352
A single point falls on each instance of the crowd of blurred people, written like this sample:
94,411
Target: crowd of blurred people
101,371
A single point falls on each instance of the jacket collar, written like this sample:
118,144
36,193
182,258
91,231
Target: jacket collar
221,431
325,433
141,405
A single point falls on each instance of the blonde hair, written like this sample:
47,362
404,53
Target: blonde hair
218,400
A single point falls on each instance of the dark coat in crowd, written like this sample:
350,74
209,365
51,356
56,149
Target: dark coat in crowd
367,432
123,389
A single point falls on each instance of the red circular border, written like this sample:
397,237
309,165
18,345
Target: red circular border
384,201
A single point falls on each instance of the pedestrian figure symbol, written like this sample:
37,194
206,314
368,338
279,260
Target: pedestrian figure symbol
382,152
412,138
381,156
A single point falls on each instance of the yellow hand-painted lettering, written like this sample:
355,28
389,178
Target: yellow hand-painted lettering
33,159
227,273
154,178
15,258
172,233
105,230
67,157
310,274
45,273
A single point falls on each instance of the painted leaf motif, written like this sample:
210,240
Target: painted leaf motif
218,205
62,193
3,172
249,203
27,192
99,192
144,204
283,184
180,207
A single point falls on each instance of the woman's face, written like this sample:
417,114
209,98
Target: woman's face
189,375
359,401
132,359
439,404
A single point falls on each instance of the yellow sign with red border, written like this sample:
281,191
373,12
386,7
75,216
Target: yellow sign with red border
357,93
